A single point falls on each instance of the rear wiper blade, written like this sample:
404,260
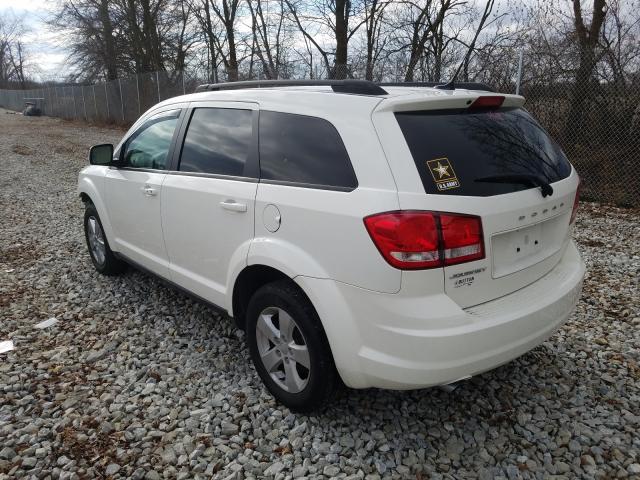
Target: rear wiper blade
522,178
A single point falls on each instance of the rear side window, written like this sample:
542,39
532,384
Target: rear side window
218,141
305,150
476,153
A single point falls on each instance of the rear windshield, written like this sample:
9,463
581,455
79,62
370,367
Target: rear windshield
453,149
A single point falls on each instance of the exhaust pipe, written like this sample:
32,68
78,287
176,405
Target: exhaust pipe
453,386
449,387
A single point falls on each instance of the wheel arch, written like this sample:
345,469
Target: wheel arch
248,281
89,193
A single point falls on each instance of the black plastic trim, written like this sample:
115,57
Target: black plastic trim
356,87
136,169
213,175
179,140
308,185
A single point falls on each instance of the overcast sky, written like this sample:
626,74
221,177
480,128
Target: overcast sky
45,48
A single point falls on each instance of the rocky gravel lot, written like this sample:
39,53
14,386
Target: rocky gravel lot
136,380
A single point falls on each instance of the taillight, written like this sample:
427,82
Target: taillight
407,240
462,238
413,240
576,201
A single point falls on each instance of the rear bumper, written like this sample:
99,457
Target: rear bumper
404,342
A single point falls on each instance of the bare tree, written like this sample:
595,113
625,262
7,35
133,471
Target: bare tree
12,51
422,21
90,25
105,33
183,37
340,18
269,31
227,12
218,21
110,38
309,36
141,38
374,11
587,37
486,13
620,41
212,33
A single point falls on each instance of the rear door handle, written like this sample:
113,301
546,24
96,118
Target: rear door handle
149,191
233,206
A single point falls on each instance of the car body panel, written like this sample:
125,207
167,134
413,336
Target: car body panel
386,327
135,217
201,236
408,341
91,184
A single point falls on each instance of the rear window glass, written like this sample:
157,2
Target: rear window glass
303,149
453,149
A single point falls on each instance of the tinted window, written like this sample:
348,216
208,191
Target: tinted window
302,149
453,149
218,141
149,146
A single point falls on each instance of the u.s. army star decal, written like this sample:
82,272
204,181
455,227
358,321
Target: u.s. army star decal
442,170
443,174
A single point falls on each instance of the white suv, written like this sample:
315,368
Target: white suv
392,236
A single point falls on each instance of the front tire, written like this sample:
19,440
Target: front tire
103,259
289,348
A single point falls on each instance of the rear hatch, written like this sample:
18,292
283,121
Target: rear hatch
493,161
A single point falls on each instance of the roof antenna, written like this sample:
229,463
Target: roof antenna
450,85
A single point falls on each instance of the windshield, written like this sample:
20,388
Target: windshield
455,149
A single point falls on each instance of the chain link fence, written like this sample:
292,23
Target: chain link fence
119,101
604,145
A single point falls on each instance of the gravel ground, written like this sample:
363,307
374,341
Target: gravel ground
138,381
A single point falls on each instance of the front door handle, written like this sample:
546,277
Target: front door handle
149,191
233,206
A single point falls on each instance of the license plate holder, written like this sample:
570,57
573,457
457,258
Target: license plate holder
517,249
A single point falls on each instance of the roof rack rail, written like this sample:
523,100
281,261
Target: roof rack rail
356,87
466,85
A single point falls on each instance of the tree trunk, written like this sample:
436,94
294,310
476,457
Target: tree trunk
211,43
137,47
110,61
582,91
414,57
342,18
232,68
374,17
151,41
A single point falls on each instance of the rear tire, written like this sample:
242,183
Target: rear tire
103,259
289,348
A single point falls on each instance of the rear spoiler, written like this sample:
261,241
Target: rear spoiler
458,100
464,85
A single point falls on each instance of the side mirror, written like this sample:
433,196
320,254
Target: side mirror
101,154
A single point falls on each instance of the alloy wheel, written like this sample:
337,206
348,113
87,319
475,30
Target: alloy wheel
96,240
283,349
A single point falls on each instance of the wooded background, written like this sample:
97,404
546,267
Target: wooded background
580,60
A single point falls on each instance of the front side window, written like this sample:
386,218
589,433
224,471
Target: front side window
303,149
149,146
218,141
